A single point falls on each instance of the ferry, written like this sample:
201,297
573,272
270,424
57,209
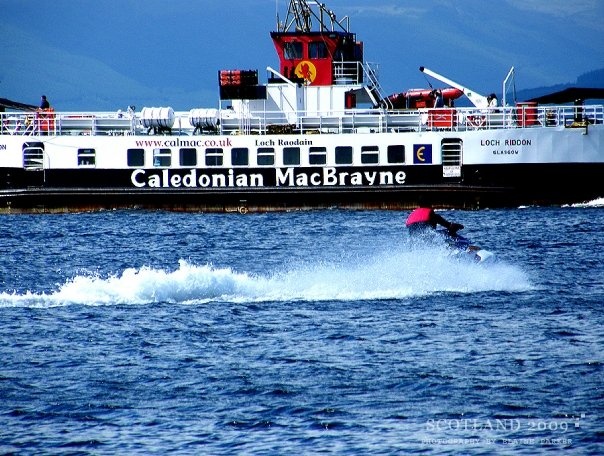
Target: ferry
319,132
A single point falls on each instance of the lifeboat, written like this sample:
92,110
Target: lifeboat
423,98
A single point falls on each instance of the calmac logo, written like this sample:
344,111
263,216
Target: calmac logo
422,153
306,70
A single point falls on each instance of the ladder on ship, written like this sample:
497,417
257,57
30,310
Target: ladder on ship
375,88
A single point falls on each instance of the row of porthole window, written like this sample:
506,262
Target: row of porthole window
265,156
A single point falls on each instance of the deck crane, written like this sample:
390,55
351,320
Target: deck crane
478,100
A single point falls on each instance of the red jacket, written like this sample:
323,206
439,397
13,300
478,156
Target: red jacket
420,215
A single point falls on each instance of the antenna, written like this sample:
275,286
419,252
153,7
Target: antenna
301,14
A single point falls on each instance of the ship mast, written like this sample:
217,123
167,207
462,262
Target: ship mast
302,13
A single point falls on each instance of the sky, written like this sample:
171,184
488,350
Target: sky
109,54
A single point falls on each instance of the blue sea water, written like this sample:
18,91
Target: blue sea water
320,332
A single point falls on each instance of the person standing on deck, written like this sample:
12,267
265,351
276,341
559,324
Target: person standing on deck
44,104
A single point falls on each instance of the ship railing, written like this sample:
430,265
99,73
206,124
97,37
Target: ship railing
68,123
348,72
99,123
84,123
385,120
26,123
524,115
452,119
571,116
16,123
345,121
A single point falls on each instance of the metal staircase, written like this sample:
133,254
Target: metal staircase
375,88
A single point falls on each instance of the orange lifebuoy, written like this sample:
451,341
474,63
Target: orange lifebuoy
477,121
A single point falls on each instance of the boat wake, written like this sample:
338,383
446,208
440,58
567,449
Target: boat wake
598,202
406,273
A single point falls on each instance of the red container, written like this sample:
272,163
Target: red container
526,113
442,118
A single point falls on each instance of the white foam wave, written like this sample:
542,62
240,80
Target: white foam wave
598,202
399,274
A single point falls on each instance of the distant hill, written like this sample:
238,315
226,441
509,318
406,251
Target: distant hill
592,79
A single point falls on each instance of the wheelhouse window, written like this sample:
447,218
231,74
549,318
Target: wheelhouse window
343,155
266,156
291,155
136,157
188,156
317,156
86,157
396,154
214,157
370,155
292,50
317,50
162,157
240,156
